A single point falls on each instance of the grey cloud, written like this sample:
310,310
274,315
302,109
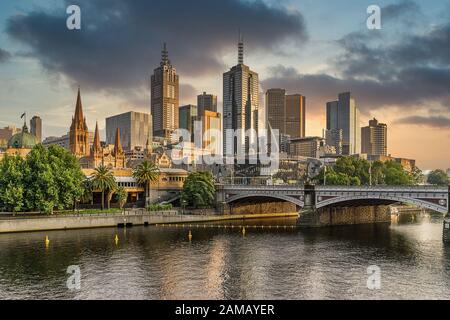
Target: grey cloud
120,41
436,121
412,72
4,55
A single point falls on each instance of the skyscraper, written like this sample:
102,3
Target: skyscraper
135,129
78,134
286,112
36,127
374,139
343,114
187,116
240,108
164,97
206,102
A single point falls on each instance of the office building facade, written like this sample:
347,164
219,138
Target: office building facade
343,114
135,130
374,139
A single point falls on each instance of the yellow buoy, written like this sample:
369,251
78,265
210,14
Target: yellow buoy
190,235
47,241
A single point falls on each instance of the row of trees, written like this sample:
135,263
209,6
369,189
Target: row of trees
438,177
49,179
351,171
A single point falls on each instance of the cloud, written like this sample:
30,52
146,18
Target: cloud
120,42
4,55
382,70
436,121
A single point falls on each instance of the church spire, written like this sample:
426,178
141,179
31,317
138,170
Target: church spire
79,108
96,147
118,145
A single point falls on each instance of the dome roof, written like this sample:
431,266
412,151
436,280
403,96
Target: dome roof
23,140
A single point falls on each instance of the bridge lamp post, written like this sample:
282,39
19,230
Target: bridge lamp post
325,175
370,173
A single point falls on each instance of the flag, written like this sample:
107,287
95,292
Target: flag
23,115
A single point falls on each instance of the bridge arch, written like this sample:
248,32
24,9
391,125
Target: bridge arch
417,202
290,199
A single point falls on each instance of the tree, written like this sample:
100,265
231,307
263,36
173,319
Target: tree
41,189
11,183
68,176
438,177
121,196
199,190
103,180
351,171
146,173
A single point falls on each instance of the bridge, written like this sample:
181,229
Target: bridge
429,197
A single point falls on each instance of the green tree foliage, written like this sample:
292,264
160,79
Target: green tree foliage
199,190
121,196
103,180
45,180
438,177
11,183
350,171
146,173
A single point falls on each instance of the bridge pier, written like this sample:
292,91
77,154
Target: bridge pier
446,223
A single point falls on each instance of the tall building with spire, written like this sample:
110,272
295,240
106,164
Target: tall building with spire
79,135
164,97
240,108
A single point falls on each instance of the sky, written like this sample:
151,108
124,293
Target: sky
399,74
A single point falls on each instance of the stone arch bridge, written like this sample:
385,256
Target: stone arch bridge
313,199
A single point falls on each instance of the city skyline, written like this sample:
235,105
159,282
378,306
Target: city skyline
412,100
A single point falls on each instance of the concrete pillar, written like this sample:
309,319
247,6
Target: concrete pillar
446,226
308,215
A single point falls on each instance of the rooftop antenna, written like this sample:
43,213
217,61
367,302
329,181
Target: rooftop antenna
165,55
241,48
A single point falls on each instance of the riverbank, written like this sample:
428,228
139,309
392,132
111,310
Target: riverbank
69,222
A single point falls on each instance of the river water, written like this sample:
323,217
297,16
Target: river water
222,263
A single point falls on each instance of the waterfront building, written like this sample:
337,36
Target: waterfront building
6,133
135,129
407,164
164,97
306,147
79,134
21,143
36,128
374,139
344,114
112,157
240,108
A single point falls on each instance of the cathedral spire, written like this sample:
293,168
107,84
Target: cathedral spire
96,147
118,145
79,108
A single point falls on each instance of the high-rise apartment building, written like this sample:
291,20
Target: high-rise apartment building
36,127
333,138
135,130
240,108
211,126
374,139
206,102
164,97
286,112
343,114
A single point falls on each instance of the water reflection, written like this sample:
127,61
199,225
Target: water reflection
219,263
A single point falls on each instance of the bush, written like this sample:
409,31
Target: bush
159,207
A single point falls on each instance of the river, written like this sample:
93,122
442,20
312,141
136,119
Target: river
223,263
